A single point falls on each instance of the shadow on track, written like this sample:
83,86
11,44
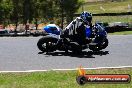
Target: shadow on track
83,54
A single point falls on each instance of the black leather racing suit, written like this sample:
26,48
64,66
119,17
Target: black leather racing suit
75,31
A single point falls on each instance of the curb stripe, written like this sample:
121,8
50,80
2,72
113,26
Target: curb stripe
26,71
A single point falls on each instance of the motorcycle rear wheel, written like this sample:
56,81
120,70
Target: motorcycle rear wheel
47,44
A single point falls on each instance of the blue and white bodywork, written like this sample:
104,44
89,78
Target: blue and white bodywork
53,30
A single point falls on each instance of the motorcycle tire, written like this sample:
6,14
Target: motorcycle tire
105,44
99,47
47,43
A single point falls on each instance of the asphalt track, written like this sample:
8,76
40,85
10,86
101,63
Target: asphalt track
22,54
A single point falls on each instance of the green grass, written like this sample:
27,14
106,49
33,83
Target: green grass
109,7
57,79
121,33
109,19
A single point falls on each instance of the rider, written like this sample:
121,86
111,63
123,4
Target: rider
76,30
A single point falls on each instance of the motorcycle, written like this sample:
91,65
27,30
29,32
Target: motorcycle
100,38
56,41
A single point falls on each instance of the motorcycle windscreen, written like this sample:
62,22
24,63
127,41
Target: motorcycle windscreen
101,30
88,32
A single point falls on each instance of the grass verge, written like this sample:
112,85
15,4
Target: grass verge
109,19
121,33
57,79
107,7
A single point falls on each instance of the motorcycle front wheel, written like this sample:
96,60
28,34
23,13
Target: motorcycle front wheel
104,44
47,44
99,47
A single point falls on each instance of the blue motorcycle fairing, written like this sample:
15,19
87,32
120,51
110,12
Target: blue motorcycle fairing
88,32
101,33
51,29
